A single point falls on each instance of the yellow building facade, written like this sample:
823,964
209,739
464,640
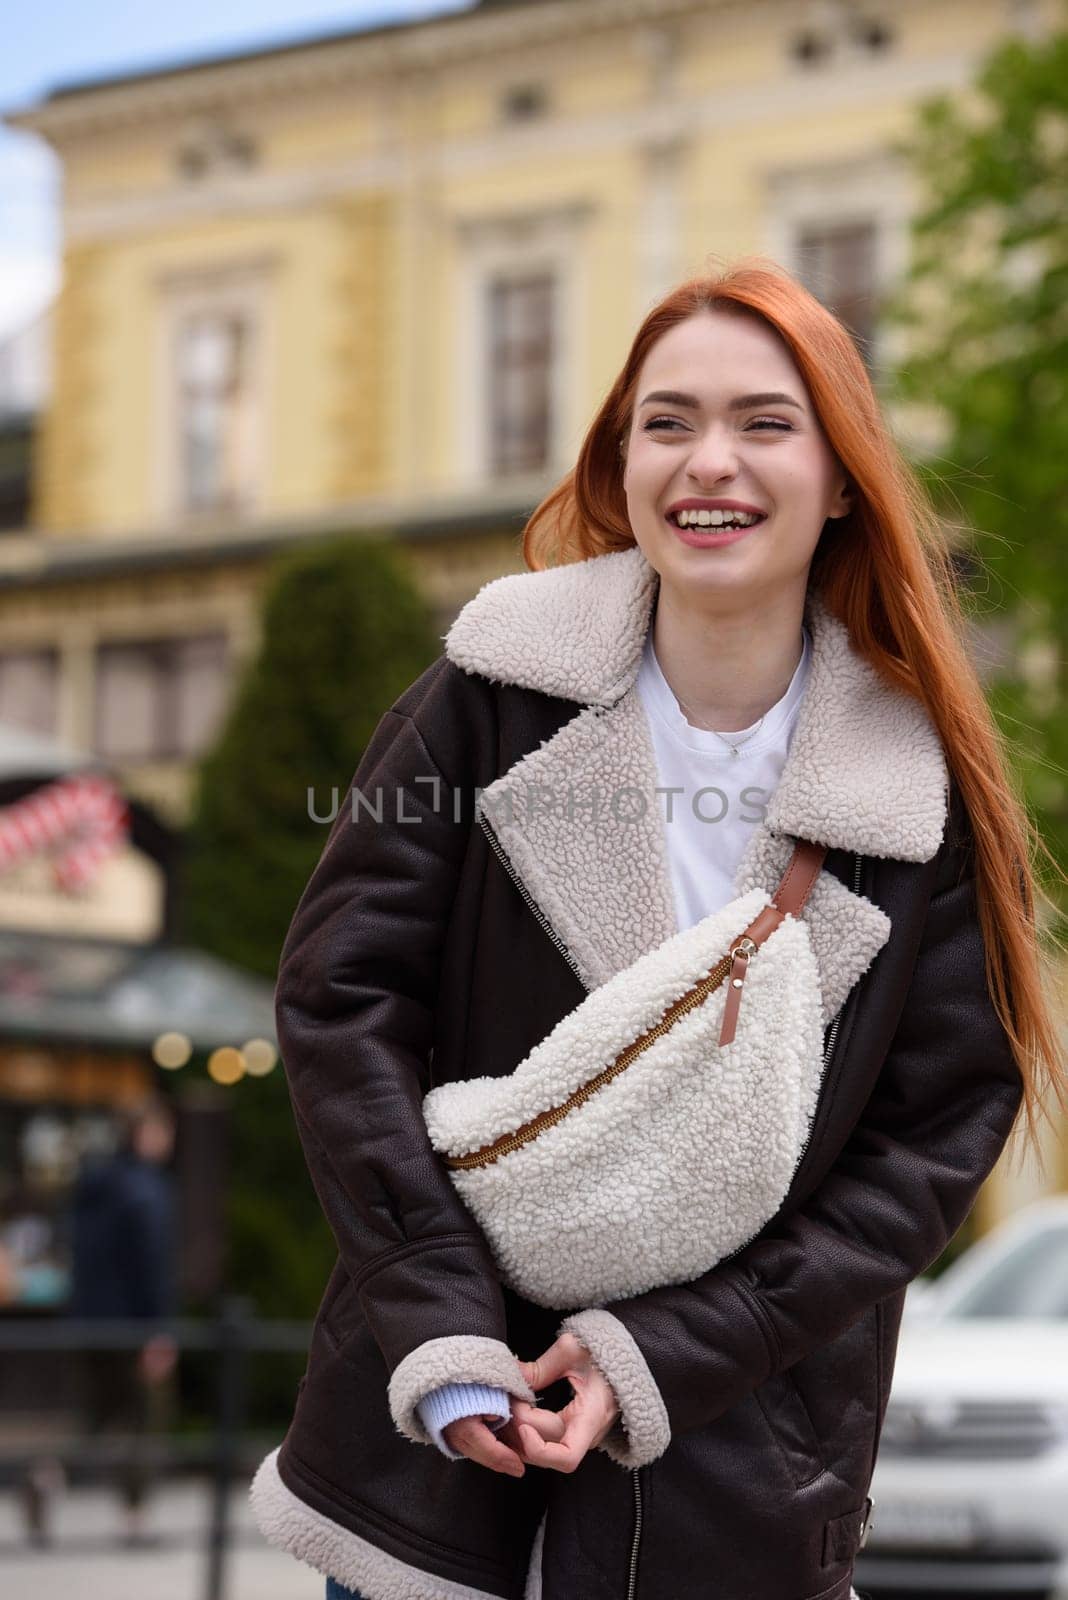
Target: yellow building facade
348,215
382,281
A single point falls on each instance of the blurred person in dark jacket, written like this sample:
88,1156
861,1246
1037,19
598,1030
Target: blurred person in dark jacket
123,1267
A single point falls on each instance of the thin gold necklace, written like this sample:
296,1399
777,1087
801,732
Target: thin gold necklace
731,746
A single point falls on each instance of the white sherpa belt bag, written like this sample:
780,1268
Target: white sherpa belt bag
657,1127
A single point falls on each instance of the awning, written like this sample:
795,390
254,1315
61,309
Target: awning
33,755
89,991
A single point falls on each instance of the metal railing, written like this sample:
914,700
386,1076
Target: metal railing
231,1337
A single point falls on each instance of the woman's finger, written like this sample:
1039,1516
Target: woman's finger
550,1424
471,1437
564,1456
556,1362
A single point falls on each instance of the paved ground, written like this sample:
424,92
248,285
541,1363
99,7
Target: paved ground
86,1562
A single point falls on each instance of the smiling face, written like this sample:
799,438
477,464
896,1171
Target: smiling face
723,415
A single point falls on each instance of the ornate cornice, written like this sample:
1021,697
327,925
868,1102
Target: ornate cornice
343,61
651,126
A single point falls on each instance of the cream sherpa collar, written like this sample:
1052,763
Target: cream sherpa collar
574,631
865,772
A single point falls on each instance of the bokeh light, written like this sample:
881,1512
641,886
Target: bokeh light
226,1065
172,1050
260,1057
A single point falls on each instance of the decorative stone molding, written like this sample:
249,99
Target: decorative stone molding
345,60
359,357
64,457
517,230
386,168
213,145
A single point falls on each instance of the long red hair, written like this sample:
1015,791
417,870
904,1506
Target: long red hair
885,571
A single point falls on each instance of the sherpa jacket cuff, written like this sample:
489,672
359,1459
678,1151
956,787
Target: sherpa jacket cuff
456,1400
643,1431
460,1358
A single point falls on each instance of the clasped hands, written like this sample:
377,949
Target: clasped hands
557,1439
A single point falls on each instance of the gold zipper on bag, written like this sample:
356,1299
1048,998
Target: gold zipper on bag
695,996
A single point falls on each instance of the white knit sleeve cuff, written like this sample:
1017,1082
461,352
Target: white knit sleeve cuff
457,1358
455,1400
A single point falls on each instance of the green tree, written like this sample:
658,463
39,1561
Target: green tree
344,632
985,306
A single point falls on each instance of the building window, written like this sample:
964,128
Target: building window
520,356
160,699
524,102
811,48
216,420
521,295
837,263
212,147
840,32
29,682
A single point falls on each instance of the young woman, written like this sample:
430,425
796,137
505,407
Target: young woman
739,631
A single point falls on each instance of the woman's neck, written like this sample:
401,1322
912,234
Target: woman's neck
727,668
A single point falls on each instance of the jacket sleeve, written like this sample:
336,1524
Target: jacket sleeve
939,1114
355,1001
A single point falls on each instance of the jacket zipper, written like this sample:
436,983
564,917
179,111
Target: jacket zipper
858,867
499,852
502,857
632,1579
543,920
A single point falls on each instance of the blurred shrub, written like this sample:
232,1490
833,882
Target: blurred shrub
344,632
984,302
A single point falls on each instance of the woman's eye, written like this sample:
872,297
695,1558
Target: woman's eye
778,423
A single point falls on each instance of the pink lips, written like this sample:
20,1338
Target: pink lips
711,538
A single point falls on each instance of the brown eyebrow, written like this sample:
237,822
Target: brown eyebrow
742,402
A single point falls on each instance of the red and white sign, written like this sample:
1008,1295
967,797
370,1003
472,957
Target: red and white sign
83,819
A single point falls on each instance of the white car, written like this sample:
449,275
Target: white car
970,1493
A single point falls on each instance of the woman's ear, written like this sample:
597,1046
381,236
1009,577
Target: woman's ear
843,501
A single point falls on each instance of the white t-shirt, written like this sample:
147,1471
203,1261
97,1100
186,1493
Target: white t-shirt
723,796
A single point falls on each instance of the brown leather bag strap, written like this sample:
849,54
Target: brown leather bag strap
794,889
804,868
789,899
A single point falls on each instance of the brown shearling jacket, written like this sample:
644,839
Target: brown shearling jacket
446,947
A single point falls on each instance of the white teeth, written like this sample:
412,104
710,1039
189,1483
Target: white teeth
714,519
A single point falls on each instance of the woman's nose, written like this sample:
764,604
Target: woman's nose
713,457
